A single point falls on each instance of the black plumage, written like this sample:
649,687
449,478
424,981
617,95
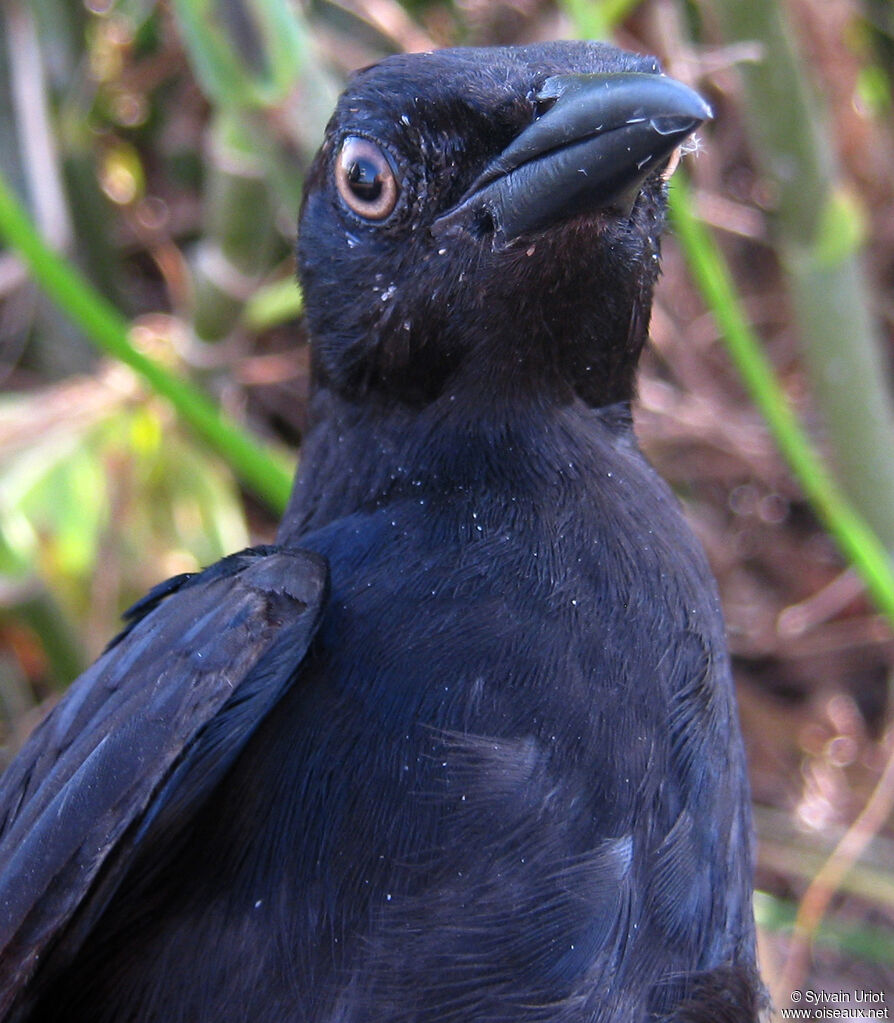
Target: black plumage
462,746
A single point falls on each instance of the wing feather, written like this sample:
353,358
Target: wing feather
134,736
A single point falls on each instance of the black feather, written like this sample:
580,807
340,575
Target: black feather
496,773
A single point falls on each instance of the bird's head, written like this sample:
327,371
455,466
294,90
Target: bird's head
491,215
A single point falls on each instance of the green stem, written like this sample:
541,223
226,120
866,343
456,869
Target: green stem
854,537
260,470
818,228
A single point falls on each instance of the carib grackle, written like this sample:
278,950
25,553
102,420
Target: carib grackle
461,746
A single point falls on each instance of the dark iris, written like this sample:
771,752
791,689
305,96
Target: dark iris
365,179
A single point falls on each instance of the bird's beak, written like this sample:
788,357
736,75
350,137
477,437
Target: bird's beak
591,149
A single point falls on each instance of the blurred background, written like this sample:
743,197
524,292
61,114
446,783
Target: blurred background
158,149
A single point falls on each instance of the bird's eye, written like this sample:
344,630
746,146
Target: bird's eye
365,179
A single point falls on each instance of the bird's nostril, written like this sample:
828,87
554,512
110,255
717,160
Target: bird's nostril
542,104
484,221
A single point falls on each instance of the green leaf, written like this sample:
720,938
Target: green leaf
273,304
254,66
841,229
871,944
264,472
597,19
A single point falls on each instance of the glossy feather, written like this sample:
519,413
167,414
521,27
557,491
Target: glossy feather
496,774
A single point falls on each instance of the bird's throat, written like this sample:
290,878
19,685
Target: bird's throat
357,460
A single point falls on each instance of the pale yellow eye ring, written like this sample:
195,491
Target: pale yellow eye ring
365,179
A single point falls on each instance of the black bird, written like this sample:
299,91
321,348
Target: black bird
462,746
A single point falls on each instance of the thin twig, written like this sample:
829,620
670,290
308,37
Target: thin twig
827,881
40,159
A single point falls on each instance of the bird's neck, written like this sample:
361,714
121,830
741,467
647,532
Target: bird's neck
357,456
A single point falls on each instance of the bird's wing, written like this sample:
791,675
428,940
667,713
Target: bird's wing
135,737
